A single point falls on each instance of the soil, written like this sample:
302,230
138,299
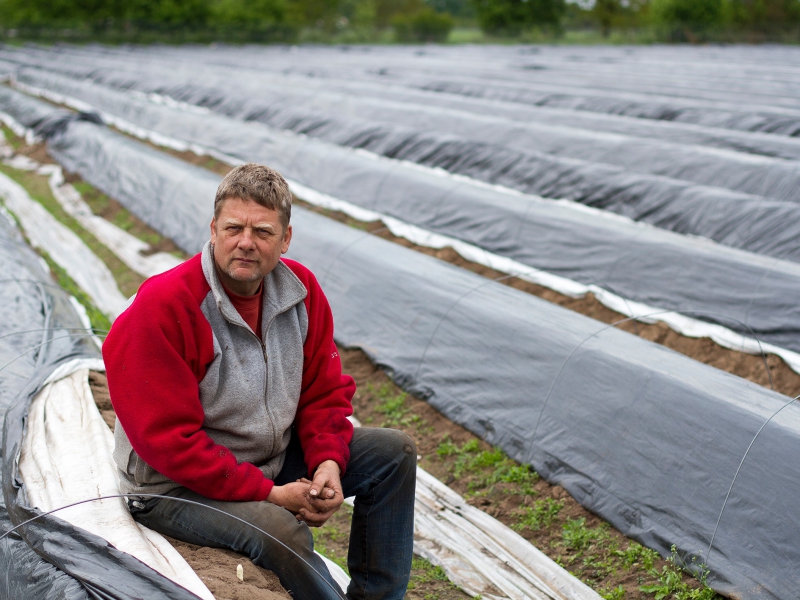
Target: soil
215,567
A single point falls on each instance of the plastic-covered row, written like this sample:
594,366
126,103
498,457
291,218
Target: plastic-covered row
747,293
733,198
654,442
741,89
266,66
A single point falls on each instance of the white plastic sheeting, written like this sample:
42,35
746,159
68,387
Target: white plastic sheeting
130,249
64,247
66,458
483,556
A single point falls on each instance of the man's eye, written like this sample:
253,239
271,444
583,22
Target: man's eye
234,228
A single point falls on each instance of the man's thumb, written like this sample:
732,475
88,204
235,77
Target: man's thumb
316,486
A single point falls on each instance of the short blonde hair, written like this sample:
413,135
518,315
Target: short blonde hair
257,183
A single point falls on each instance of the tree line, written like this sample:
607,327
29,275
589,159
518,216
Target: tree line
407,20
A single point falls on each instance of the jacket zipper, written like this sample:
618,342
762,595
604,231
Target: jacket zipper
266,388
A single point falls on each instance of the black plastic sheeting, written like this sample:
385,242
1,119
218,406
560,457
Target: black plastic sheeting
118,67
733,198
49,558
415,131
646,438
43,119
750,294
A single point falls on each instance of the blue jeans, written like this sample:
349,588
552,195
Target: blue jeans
381,475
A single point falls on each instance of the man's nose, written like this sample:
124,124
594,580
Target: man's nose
246,240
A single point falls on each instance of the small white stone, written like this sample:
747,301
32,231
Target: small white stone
239,573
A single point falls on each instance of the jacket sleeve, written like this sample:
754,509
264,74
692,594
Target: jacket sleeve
326,394
155,354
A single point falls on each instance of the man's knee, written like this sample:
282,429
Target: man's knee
406,446
389,447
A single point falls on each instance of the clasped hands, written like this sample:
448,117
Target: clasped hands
312,501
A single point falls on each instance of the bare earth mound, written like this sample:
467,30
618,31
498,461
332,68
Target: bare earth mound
217,569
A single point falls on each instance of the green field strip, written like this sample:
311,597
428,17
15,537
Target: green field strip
38,188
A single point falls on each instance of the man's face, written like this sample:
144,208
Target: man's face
248,241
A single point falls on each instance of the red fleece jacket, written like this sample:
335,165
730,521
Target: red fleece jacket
156,354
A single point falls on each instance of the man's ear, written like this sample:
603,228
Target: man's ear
213,230
287,238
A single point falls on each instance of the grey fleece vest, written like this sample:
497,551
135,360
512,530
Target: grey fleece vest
251,390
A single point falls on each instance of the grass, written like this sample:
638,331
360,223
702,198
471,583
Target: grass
541,514
101,204
13,140
331,540
486,468
431,581
392,405
38,188
99,321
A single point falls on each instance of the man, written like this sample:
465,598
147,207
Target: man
229,393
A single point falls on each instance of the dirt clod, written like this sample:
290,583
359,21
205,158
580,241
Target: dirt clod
217,569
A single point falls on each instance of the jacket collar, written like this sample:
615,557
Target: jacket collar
282,291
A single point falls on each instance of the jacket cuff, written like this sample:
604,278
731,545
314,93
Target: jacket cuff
264,490
315,458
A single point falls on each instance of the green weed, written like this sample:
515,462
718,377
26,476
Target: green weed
471,460
98,320
577,536
670,582
540,515
334,534
618,593
100,204
15,142
430,579
393,405
636,554
390,404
